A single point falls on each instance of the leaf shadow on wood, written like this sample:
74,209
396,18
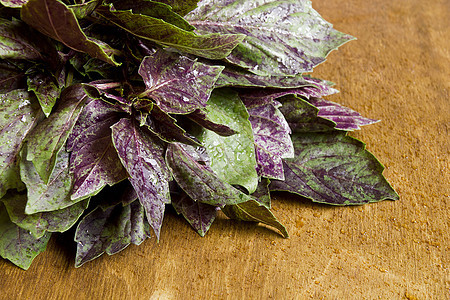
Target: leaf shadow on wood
286,207
294,201
65,246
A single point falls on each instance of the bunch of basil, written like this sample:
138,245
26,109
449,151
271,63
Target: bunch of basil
111,109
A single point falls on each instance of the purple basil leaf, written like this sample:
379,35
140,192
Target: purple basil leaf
281,37
11,77
40,223
211,46
198,180
181,7
344,117
238,78
335,169
177,83
156,10
110,231
254,212
165,127
45,88
94,113
94,161
272,137
317,114
142,155
17,41
302,116
198,214
200,116
262,193
55,194
56,20
19,113
316,88
50,135
323,87
17,244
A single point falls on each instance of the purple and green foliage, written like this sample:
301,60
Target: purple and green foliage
272,137
333,168
142,155
178,84
17,244
112,110
94,161
110,230
281,37
199,215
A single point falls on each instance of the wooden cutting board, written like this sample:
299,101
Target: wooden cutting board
397,71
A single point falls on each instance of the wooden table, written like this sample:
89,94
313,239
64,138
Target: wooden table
397,71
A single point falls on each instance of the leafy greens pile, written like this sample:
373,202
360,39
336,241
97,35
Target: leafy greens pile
111,109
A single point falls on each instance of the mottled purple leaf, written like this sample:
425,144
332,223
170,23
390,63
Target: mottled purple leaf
40,223
110,231
165,127
233,157
17,244
302,116
55,194
142,155
344,117
198,180
282,37
177,83
317,115
254,212
19,113
316,88
94,161
200,116
94,113
45,88
50,135
211,46
16,41
199,215
272,137
56,20
335,169
238,78
11,77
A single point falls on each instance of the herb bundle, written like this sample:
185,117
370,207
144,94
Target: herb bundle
110,110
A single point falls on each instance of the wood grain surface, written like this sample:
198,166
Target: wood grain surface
397,71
